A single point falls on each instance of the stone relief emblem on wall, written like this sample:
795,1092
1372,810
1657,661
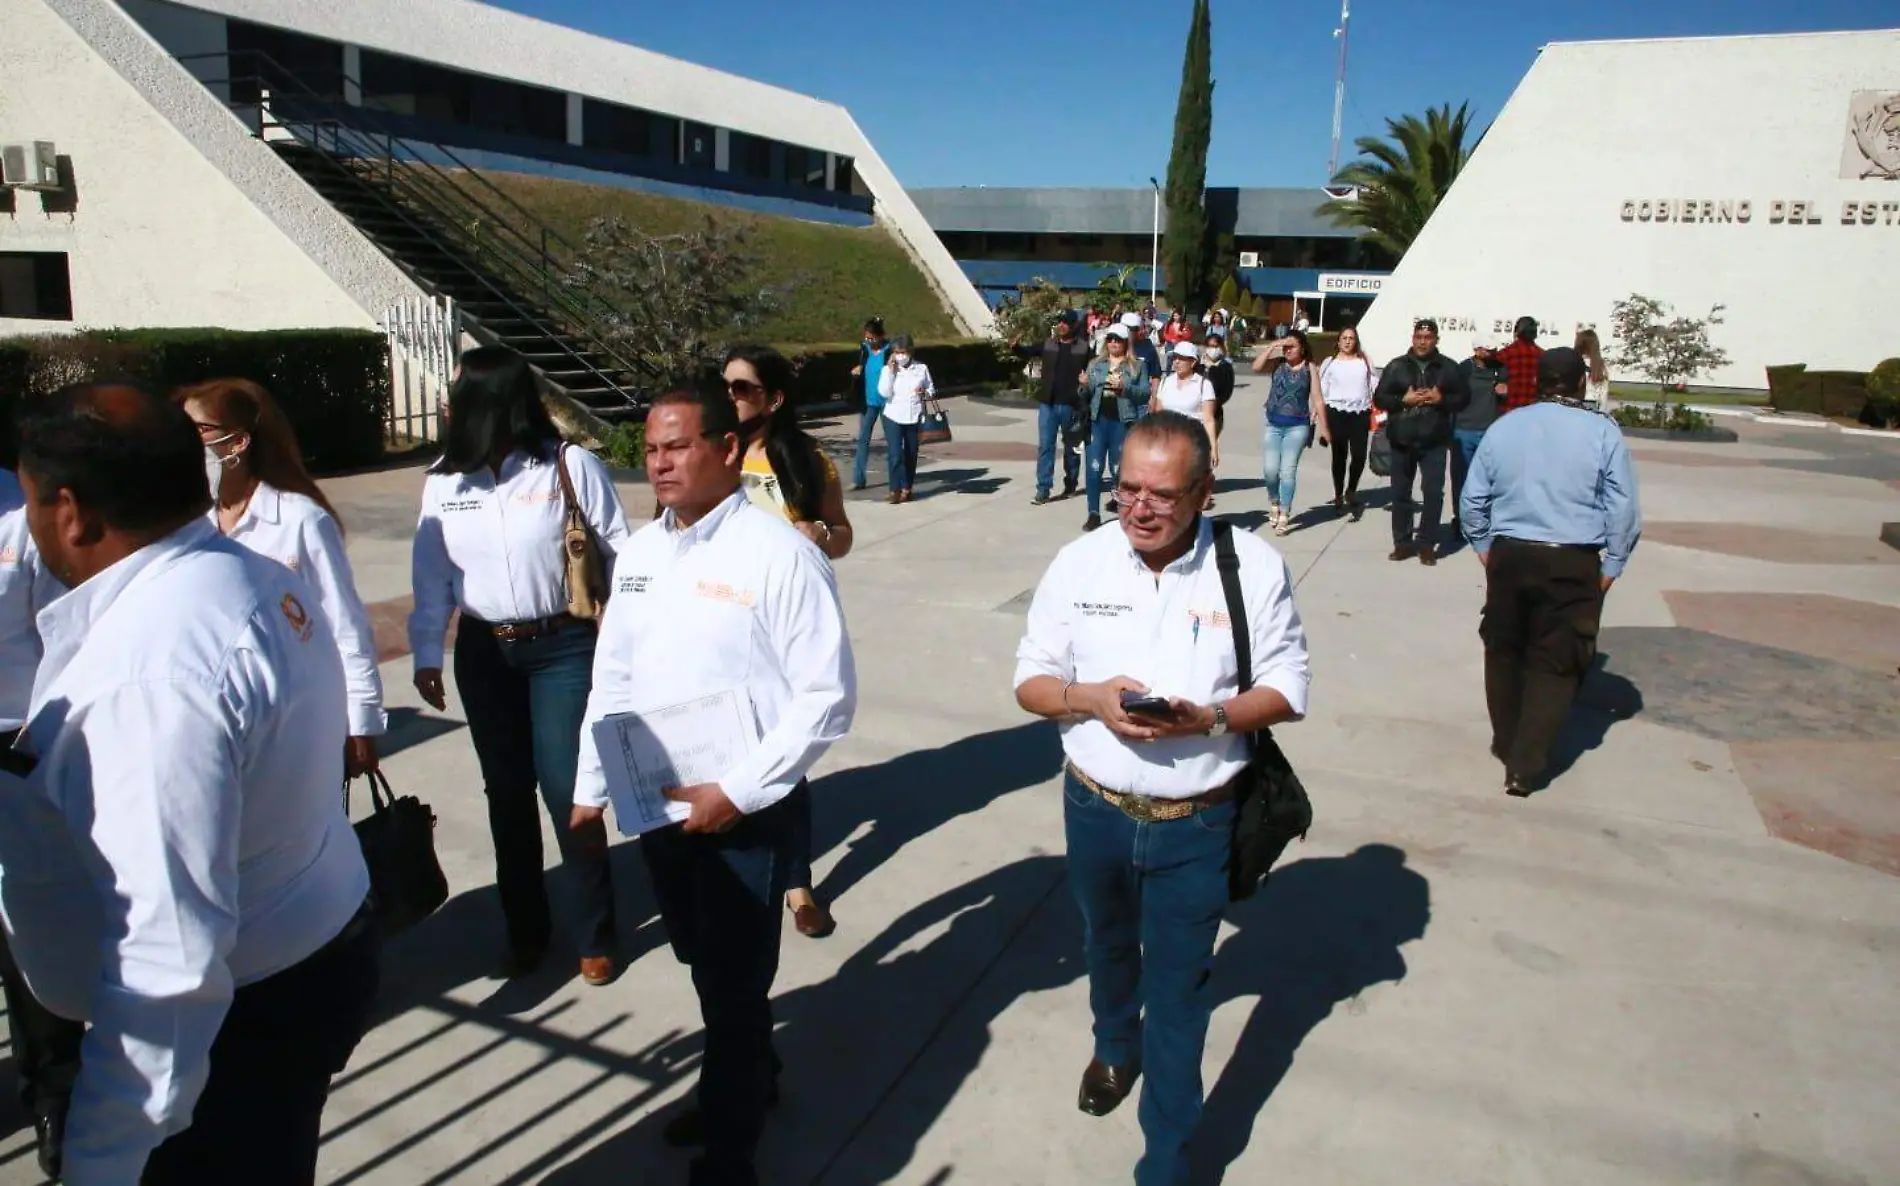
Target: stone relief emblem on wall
1871,150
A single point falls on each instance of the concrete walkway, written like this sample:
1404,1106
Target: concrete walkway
1678,964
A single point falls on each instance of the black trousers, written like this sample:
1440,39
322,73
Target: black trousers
719,896
45,1045
1541,609
261,1112
1349,432
1427,468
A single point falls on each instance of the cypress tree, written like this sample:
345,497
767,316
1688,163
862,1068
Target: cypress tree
1186,245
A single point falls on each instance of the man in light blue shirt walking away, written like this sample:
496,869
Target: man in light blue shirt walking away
1550,507
873,354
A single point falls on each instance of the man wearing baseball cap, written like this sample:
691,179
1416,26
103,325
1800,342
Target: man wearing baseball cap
1487,381
1551,509
1142,346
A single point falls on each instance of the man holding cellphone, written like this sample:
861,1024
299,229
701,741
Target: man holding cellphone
1130,647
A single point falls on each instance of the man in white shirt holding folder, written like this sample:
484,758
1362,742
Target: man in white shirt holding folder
717,596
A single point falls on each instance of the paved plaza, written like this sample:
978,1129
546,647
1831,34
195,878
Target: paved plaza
1677,964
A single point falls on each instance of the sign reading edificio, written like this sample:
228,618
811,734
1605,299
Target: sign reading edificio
1742,210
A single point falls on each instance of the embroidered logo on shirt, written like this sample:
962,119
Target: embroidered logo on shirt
461,504
531,496
1215,618
719,592
9,555
297,616
1103,609
633,583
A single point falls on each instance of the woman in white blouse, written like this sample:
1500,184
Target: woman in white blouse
1346,382
1187,391
263,498
1596,387
905,386
489,546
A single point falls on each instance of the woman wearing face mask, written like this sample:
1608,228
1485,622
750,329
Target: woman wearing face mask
787,473
905,385
1219,370
263,498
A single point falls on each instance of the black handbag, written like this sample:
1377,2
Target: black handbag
398,839
1379,453
1271,807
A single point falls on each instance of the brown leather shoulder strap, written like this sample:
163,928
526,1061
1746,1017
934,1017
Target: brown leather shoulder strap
567,483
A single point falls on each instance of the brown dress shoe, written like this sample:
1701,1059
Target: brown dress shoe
1428,556
1105,1087
597,969
814,921
1403,552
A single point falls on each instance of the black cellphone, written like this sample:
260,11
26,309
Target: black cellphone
1148,706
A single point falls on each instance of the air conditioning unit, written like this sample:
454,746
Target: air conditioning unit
29,166
1250,259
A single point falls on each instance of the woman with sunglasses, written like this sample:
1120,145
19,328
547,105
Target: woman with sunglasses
786,472
264,498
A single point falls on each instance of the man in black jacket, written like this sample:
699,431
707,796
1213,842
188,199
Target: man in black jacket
1420,392
1064,359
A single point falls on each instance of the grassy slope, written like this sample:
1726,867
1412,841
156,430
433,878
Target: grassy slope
852,274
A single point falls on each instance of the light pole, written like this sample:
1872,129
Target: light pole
1154,264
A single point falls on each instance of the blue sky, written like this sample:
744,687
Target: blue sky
1002,92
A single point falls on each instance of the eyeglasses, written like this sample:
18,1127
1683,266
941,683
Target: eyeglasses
1161,502
744,389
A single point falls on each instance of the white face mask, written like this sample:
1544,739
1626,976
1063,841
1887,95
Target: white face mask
902,360
216,464
1213,353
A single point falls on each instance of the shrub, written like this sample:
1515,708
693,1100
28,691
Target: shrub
625,446
1883,395
1670,417
333,383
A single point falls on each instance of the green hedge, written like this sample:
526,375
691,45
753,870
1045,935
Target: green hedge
332,383
824,369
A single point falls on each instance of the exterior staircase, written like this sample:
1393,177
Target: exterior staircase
451,231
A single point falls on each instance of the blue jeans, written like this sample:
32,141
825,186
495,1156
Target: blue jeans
867,420
720,897
1105,456
1464,446
1151,896
1051,420
1280,454
901,441
525,701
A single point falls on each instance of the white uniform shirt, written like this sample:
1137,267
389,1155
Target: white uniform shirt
25,589
1346,384
904,392
493,548
189,721
738,600
1186,396
300,535
1100,612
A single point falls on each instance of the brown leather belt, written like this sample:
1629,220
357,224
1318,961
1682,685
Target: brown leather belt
1146,808
534,627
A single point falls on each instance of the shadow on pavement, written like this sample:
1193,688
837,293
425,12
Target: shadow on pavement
1320,933
1604,699
916,793
835,1038
411,727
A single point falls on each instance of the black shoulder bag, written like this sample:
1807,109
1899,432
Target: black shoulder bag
1271,807
398,840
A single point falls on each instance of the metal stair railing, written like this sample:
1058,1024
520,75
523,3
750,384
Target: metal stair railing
394,173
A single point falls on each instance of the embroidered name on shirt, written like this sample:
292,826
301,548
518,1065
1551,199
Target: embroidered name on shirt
1103,609
638,583
715,591
461,504
297,616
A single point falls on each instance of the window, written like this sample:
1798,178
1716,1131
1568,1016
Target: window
262,56
408,87
845,179
36,286
751,156
629,130
804,167
696,149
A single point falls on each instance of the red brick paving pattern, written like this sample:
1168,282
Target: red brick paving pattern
1839,797
1780,545
1858,633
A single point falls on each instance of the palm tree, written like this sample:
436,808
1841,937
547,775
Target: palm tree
1401,179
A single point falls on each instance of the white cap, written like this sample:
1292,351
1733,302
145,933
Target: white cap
1132,320
1118,331
1483,341
1185,350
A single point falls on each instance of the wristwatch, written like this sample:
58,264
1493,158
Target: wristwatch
1219,727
